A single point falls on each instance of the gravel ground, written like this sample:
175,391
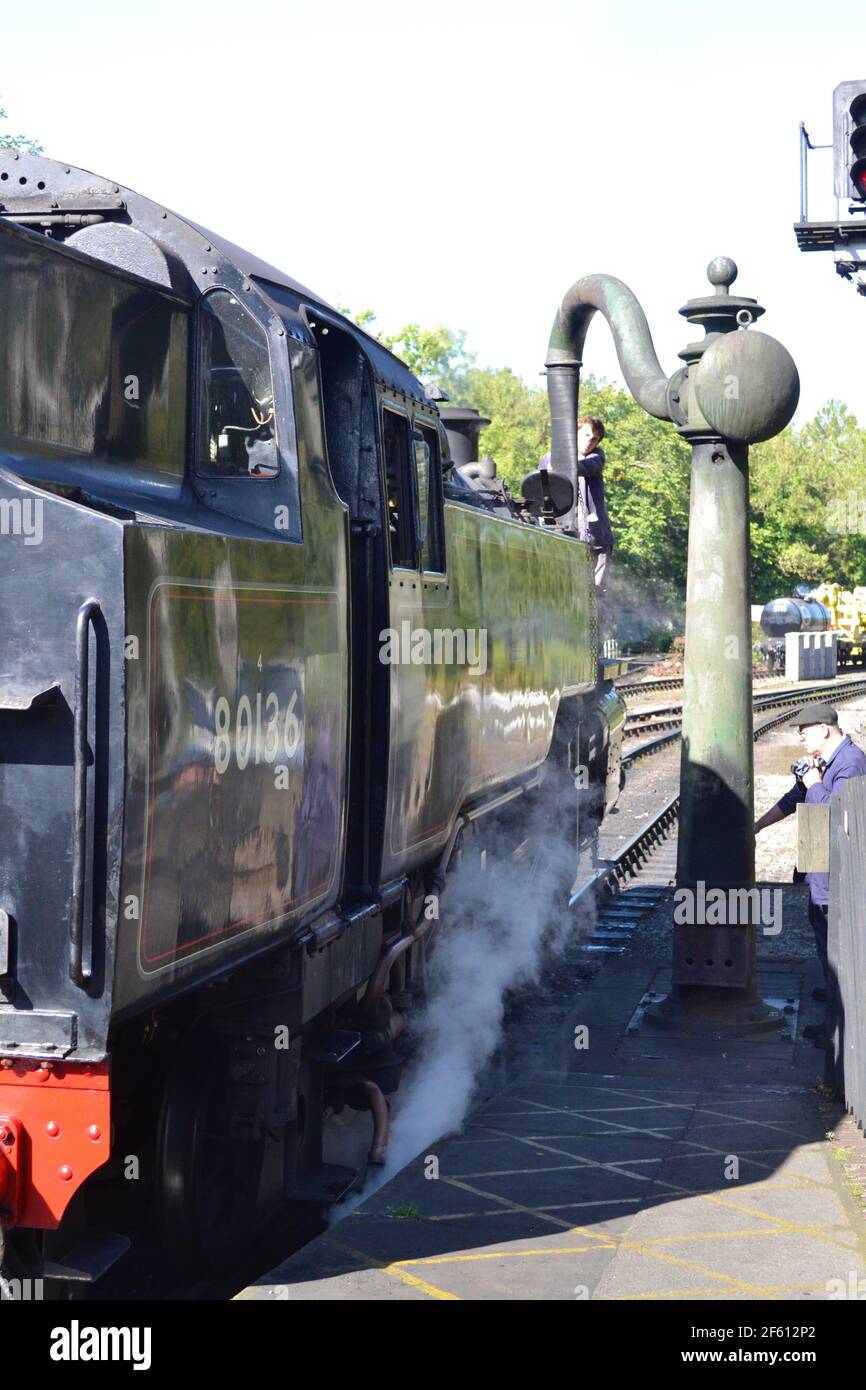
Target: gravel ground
649,784
653,780
652,939
774,754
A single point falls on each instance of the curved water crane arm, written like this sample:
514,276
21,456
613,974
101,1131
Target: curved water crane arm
644,377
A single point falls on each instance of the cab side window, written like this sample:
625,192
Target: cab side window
237,433
399,492
428,480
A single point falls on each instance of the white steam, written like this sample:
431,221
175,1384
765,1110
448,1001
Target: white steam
498,928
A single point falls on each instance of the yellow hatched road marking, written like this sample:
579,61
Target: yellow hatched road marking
778,1226
663,1105
394,1269
786,1226
621,1167
701,1110
704,1235
546,1206
781,1186
613,1244
772,1292
651,1104
503,1255
527,1211
726,1279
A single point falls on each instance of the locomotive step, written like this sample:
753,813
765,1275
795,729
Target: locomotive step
89,1258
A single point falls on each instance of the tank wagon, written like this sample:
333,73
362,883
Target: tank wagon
827,608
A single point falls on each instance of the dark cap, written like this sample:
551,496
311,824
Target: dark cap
814,714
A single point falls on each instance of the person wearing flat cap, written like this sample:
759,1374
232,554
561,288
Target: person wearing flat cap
831,759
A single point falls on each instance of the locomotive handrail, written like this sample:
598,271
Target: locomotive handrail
79,972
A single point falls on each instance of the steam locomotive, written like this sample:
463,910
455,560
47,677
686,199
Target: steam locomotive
224,807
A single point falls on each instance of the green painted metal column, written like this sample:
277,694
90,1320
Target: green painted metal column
716,844
737,387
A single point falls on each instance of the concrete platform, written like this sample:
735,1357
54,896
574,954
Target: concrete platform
638,1167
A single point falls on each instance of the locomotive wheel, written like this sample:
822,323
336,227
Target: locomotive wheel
208,1179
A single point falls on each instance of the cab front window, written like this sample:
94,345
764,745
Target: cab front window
237,438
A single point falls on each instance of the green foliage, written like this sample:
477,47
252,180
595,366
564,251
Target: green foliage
646,474
808,493
363,318
808,486
17,142
519,429
650,636
433,354
405,1211
647,477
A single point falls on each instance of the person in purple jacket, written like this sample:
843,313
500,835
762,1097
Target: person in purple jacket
593,522
831,759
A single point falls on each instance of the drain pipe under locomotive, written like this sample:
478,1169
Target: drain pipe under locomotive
736,388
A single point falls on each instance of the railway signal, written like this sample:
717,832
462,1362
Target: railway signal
849,140
845,235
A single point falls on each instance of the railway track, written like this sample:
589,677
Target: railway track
627,886
653,719
670,717
623,888
633,683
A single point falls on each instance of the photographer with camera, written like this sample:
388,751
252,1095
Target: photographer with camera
831,758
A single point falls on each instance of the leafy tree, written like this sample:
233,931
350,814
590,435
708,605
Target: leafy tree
519,429
437,355
434,354
808,485
17,142
364,318
647,478
808,493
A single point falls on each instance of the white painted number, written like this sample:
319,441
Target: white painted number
222,747
272,733
243,741
292,734
255,736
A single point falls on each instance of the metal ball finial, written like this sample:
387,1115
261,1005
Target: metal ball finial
722,272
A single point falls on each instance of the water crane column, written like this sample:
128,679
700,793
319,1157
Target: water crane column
737,387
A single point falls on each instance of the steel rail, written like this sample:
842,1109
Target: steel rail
631,681
609,879
786,698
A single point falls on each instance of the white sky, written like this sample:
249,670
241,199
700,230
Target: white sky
465,163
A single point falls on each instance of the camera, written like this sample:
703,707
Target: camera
804,765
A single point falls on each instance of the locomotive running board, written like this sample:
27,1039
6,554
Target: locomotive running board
475,810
